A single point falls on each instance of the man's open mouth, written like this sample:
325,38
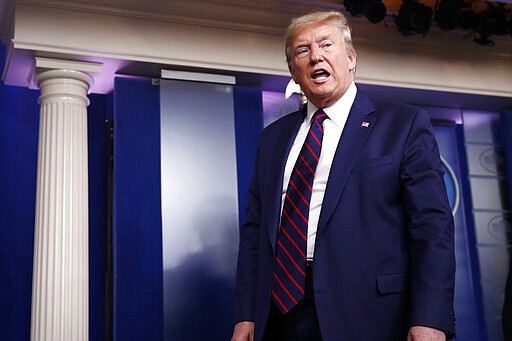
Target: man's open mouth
320,74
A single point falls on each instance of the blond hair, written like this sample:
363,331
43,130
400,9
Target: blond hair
334,18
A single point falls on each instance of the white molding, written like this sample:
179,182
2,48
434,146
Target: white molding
198,77
70,52
437,87
244,36
269,17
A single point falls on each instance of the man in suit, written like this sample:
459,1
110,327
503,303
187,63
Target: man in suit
379,259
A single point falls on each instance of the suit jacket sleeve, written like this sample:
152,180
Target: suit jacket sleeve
430,229
245,293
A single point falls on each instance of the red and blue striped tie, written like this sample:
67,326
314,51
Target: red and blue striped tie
290,271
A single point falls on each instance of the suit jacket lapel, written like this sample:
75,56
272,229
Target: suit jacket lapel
357,128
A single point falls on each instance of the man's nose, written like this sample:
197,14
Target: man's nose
316,55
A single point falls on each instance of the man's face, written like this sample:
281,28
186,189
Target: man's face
320,64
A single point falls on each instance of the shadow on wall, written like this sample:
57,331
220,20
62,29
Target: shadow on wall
199,286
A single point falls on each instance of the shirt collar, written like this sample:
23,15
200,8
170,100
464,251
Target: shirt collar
338,112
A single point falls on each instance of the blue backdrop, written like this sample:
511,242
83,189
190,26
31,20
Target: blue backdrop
138,295
138,270
19,120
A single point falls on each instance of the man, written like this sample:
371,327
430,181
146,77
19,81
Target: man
379,260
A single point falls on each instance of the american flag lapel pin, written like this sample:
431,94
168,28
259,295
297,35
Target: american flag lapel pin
365,124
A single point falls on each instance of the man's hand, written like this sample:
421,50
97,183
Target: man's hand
244,331
420,333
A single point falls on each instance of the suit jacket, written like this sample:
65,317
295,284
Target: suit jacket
384,253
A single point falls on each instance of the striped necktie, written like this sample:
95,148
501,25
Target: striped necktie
290,266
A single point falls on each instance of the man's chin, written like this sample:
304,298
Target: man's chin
320,97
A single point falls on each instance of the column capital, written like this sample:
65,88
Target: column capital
54,68
46,74
63,84
43,64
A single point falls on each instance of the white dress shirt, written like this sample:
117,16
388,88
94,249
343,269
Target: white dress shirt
333,127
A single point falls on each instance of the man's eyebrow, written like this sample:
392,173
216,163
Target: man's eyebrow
301,44
306,43
325,37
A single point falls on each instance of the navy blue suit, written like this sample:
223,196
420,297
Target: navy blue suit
384,254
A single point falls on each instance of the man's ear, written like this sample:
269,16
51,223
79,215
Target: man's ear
292,72
352,60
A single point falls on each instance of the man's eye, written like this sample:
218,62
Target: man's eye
301,52
326,45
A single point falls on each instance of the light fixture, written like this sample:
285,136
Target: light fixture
413,18
493,20
373,10
451,14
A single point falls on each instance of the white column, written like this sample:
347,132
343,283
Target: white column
60,285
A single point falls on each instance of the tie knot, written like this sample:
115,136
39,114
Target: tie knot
319,116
